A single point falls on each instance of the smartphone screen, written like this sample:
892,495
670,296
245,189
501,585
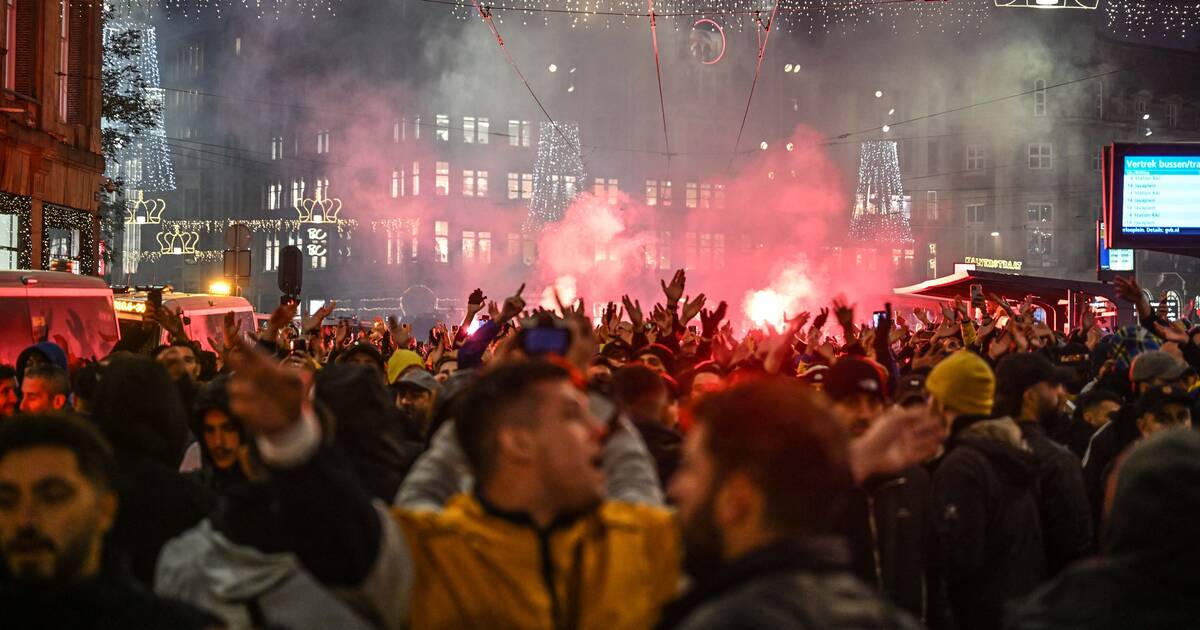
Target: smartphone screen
536,341
878,317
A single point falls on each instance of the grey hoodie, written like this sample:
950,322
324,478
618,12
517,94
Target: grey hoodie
247,588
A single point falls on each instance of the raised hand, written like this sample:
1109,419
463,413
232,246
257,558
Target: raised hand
512,305
401,333
691,308
1131,291
493,310
899,439
845,315
674,291
231,328
822,317
341,333
664,319
263,395
634,309
476,301
314,321
710,320
1171,333
172,323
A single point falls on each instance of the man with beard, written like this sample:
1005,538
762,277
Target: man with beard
8,391
1028,389
222,438
56,504
757,490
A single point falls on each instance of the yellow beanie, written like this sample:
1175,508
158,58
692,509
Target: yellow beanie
400,361
963,382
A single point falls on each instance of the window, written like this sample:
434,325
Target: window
1041,246
1039,212
1039,97
10,42
441,179
271,253
664,250
402,242
975,214
569,185
475,183
397,178
297,192
1041,156
528,250
397,130
1098,159
483,129
664,193
237,46
719,196
469,130
441,241
277,148
981,244
975,157
651,192
1172,115
514,245
1140,107
932,157
9,242
691,195
416,179
133,170
416,128
64,53
519,132
607,189
520,185
274,196
321,188
323,141
706,195
443,127
931,205
483,248
468,246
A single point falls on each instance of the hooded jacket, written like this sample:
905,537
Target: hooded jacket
788,585
137,409
51,351
213,396
1149,575
1066,513
985,517
886,523
247,588
369,430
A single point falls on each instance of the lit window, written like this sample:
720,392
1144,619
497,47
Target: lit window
483,251
528,250
1039,97
271,253
274,196
323,141
441,239
931,205
527,185
64,55
443,127
606,189
321,188
481,185
691,195
483,129
976,214
519,133
1041,156
468,246
664,190
277,148
297,192
651,192
397,177
397,130
469,129
706,195
1039,212
416,128
441,181
514,186
416,179
719,196
468,180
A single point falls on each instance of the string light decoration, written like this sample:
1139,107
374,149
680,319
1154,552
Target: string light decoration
175,241
200,255
558,173
76,221
276,9
218,226
1089,5
319,209
793,15
1149,18
20,207
144,211
145,163
881,209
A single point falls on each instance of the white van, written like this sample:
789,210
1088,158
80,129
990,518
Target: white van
203,314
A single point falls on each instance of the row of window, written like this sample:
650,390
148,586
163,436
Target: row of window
982,214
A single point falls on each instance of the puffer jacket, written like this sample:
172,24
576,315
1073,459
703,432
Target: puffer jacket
1149,574
478,567
986,520
789,585
886,523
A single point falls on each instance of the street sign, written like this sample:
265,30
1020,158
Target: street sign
237,236
237,264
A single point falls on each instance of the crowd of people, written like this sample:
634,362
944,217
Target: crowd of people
533,468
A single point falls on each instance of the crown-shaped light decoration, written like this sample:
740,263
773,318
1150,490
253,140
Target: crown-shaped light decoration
177,242
319,209
144,211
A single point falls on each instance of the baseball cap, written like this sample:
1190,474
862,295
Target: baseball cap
963,382
1156,398
1155,364
417,379
815,374
855,375
1018,372
910,389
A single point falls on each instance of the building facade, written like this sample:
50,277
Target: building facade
51,169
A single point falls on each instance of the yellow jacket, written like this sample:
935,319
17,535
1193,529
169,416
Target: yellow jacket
613,568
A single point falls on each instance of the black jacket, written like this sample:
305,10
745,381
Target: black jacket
1149,575
213,396
1073,433
788,585
111,601
1109,441
886,523
665,445
985,517
1066,514
138,410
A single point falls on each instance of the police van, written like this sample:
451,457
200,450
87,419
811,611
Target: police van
73,311
203,314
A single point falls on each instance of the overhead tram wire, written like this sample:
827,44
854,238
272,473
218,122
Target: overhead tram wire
674,14
662,103
486,15
762,51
